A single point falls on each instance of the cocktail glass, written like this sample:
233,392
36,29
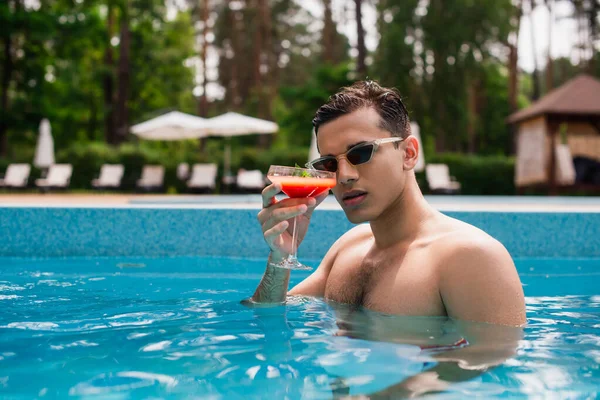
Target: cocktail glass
299,182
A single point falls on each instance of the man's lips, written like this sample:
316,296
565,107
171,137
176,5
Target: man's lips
352,193
353,198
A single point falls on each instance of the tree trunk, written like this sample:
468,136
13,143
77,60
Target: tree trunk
7,70
581,41
436,87
536,82
258,42
108,82
124,73
203,101
549,64
513,59
7,76
267,91
234,82
472,115
93,121
361,66
513,75
328,33
593,18
267,60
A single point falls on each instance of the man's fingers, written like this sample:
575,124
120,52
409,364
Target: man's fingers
268,194
275,231
289,212
282,214
285,206
313,202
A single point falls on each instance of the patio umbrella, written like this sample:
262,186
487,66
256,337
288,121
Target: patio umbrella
44,151
174,125
234,124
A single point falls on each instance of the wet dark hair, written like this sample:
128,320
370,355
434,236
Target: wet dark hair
364,94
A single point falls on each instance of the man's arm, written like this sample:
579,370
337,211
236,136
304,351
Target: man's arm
479,282
273,287
274,284
275,220
488,346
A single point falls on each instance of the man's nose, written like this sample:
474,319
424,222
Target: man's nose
346,172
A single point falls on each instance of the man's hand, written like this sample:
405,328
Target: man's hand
277,220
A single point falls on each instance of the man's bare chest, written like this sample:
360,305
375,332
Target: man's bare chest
396,285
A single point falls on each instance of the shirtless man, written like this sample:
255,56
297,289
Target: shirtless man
409,259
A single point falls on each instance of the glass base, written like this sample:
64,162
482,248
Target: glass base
292,263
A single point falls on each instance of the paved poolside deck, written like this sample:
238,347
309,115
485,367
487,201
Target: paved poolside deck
253,201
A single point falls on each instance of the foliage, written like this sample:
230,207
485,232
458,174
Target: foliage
262,159
58,54
275,60
437,64
480,175
297,105
88,158
161,80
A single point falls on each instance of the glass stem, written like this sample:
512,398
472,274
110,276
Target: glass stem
294,245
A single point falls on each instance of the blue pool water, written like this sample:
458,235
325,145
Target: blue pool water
174,328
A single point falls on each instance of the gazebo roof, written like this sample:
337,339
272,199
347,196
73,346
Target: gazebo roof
579,97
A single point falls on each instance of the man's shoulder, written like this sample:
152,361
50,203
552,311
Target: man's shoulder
464,243
349,243
358,233
353,238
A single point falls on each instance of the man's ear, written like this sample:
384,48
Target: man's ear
411,152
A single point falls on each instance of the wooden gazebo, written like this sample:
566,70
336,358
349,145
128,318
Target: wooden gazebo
576,104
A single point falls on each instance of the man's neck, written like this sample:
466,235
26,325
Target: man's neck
404,219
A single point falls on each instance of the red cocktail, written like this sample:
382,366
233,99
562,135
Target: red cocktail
297,186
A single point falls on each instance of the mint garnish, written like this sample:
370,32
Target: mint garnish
300,172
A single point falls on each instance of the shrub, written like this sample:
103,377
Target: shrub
88,158
479,175
260,159
134,158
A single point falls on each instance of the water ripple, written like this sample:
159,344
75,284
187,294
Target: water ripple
176,328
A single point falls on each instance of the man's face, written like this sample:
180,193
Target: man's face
366,190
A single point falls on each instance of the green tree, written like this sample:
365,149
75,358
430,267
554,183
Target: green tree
435,54
298,104
159,49
48,69
291,50
58,61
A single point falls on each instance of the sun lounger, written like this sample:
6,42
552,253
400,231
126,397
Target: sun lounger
59,177
250,181
439,179
16,176
204,177
152,178
110,176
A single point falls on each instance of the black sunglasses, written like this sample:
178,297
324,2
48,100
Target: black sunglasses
359,154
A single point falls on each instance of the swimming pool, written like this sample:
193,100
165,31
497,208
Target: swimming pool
112,324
